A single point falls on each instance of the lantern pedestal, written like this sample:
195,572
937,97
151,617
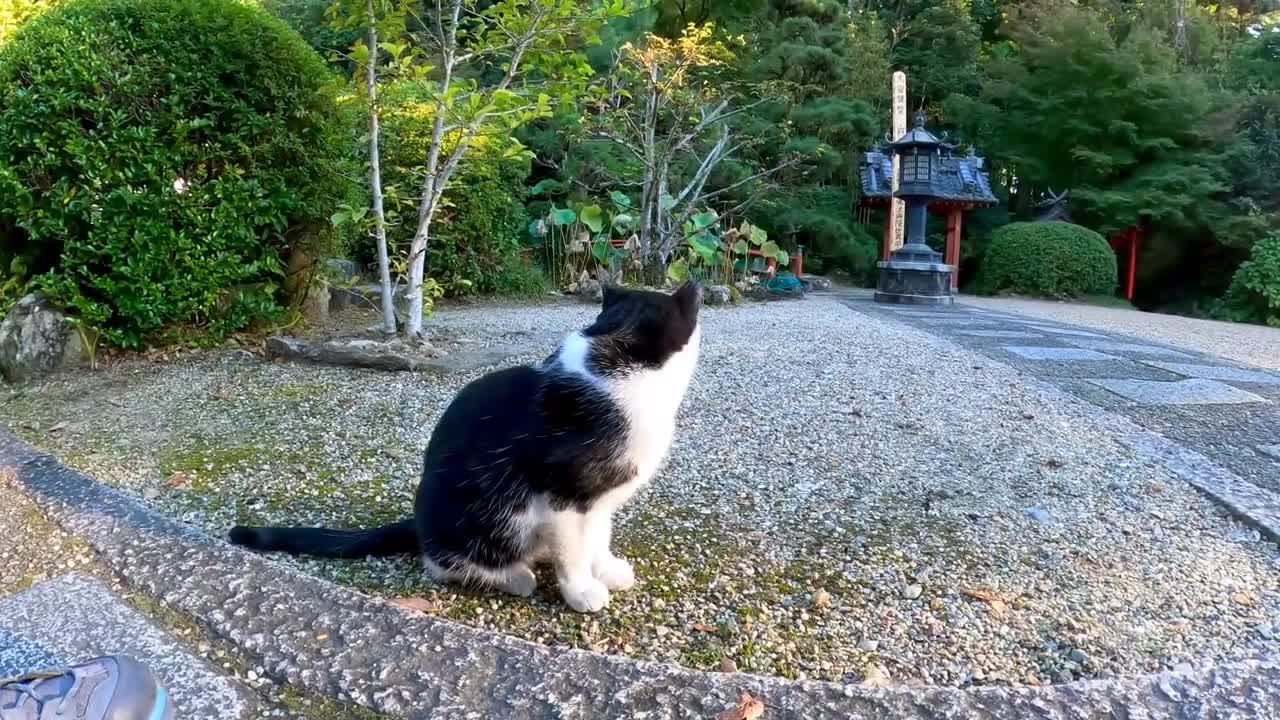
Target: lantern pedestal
914,283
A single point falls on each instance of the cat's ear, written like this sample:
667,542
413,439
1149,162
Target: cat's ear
612,294
688,297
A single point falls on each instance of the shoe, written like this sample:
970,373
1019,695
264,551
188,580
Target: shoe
106,688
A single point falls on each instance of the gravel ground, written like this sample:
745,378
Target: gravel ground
38,550
1252,344
847,499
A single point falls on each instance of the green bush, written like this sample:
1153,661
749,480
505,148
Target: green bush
13,13
155,154
476,236
1254,295
1052,259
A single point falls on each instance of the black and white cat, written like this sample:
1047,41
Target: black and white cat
530,463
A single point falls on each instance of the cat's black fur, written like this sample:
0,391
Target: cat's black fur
512,436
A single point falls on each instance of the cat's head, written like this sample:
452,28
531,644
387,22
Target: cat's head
643,329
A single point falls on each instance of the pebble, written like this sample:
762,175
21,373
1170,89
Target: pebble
821,599
911,592
869,645
727,665
1039,515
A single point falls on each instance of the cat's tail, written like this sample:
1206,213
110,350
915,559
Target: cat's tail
394,539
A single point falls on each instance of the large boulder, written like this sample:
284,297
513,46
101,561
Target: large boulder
36,339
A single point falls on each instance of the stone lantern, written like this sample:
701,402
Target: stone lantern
915,273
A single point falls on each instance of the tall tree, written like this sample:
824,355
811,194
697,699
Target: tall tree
1111,119
531,47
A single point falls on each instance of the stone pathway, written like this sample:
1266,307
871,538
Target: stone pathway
76,616
1224,410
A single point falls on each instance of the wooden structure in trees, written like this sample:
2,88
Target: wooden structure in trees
962,185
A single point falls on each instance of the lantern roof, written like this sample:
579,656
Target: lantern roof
916,137
959,179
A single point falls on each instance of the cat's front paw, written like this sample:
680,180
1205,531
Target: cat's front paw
615,573
587,596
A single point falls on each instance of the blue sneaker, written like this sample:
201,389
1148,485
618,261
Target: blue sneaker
105,688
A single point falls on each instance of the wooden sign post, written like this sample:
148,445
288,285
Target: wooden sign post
897,208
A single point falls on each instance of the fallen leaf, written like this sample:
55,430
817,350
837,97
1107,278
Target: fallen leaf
876,676
703,627
416,603
58,427
1244,598
179,480
748,708
991,598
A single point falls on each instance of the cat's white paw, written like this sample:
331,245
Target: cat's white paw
615,573
520,581
587,596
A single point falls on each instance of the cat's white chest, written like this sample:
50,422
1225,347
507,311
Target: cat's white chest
650,400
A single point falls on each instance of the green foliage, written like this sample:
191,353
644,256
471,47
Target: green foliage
1254,295
156,153
1111,118
307,18
476,236
14,13
1051,259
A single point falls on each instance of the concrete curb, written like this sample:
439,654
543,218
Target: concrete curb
337,642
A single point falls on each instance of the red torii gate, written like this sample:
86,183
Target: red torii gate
1126,242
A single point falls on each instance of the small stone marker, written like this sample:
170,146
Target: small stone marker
76,617
1052,353
1218,372
1179,392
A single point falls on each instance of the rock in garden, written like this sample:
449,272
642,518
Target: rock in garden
351,353
727,665
821,599
869,645
343,270
815,282
36,339
590,290
717,295
911,592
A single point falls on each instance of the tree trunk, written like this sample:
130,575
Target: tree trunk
375,179
417,268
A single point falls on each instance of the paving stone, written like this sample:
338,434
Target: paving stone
1061,331
1126,347
1052,353
1218,372
999,333
960,321
76,617
952,315
1179,392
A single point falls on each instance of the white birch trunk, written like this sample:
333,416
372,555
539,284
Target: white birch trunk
375,180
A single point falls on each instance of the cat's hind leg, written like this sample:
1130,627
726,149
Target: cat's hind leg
515,579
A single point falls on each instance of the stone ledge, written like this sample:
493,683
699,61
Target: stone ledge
340,643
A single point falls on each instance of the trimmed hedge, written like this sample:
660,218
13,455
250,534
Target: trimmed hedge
156,154
1050,259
